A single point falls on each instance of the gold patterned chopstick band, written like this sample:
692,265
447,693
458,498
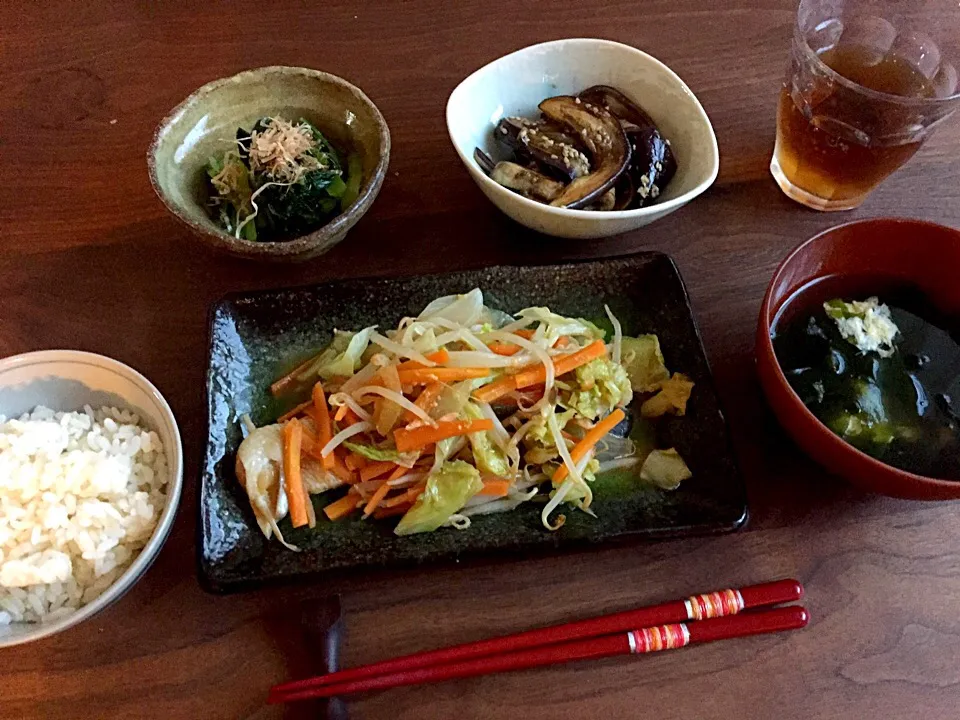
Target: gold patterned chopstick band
662,637
715,604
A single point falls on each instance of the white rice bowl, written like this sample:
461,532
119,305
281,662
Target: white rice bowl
80,495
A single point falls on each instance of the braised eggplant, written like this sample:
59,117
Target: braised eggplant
596,151
485,162
545,144
617,103
526,181
653,163
625,192
604,139
607,201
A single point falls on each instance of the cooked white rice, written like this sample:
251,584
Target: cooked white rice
80,495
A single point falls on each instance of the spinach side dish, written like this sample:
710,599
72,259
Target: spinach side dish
280,181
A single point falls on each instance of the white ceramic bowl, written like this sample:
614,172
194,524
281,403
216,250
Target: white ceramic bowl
516,83
67,380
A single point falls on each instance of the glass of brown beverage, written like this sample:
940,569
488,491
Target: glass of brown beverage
868,82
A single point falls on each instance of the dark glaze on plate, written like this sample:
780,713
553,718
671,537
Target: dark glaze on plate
910,400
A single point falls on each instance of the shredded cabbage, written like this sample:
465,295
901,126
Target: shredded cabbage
374,453
342,356
464,310
672,397
447,490
557,325
602,385
665,469
643,362
488,457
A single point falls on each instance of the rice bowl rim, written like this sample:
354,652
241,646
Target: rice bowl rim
170,437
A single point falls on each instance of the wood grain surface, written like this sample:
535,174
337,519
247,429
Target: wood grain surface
91,260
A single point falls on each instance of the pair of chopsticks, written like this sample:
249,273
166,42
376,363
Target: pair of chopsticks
698,619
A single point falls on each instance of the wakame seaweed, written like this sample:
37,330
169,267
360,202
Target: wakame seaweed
898,408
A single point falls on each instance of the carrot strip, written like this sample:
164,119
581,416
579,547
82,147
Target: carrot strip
340,470
496,488
423,376
293,482
417,438
349,418
440,357
527,333
425,401
503,348
400,499
392,511
283,383
592,437
399,472
308,444
562,341
413,493
322,418
355,462
293,412
562,364
341,413
497,389
342,507
375,499
376,469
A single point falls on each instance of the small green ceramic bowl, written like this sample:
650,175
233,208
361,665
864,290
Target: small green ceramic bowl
205,124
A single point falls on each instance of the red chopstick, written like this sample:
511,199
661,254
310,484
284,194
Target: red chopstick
698,607
662,637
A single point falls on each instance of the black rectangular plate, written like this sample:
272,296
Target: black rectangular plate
256,337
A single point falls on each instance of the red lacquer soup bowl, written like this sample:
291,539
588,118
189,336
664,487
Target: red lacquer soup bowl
856,260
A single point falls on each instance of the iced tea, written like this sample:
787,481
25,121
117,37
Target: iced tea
861,96
830,159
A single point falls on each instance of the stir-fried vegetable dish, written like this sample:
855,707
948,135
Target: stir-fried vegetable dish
461,411
279,181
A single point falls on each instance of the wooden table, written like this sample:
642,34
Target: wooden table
92,260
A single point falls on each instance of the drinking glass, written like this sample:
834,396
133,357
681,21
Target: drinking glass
868,82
